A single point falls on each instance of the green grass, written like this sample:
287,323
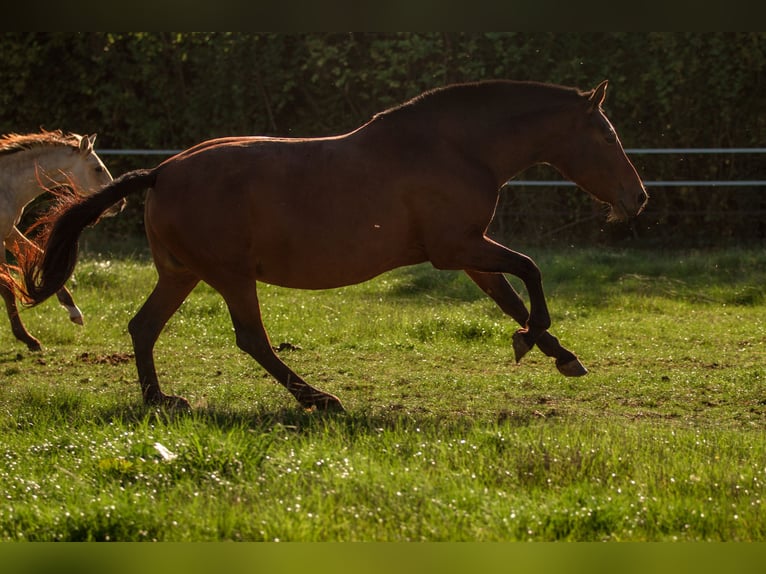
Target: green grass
444,438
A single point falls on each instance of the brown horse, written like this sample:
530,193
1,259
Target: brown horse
418,182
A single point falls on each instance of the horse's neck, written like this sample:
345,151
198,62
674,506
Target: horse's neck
26,174
512,144
525,140
506,126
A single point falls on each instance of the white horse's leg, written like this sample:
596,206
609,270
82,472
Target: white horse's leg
14,238
65,298
9,297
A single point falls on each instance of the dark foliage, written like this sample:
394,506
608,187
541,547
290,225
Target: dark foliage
170,90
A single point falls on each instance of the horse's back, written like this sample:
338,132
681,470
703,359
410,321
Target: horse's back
309,213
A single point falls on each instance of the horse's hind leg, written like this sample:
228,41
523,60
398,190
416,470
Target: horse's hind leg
171,290
66,300
253,339
500,290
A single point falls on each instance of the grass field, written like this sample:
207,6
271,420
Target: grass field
445,438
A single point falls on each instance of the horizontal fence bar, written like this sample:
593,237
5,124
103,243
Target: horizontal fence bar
666,150
563,183
138,151
703,150
679,183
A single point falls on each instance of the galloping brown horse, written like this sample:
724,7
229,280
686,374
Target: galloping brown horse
418,182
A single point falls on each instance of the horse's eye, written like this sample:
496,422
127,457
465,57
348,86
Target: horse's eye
98,169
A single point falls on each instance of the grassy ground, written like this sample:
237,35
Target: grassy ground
445,437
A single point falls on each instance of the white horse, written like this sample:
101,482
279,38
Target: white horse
31,164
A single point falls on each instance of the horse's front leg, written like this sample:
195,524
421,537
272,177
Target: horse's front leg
484,255
16,241
7,292
17,327
497,287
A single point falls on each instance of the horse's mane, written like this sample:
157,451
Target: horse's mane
509,93
12,143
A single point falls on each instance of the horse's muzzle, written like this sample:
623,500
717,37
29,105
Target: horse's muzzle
629,208
642,198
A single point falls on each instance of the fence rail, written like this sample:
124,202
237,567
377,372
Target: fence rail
564,183
670,183
657,183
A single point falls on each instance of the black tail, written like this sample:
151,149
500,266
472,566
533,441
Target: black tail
45,272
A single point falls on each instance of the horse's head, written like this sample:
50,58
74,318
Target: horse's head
82,170
88,169
594,159
89,172
76,165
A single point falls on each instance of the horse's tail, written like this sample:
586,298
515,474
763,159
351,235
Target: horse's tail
45,272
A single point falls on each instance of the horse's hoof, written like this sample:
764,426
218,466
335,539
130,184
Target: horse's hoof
573,368
326,403
520,346
34,346
176,404
171,403
75,315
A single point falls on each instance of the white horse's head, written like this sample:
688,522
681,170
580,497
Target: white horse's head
88,169
84,171
80,166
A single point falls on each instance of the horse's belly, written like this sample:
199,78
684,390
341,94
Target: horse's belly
309,268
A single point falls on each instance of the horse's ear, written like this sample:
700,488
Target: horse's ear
86,143
598,94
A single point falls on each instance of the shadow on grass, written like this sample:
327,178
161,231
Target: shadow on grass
11,357
734,276
76,409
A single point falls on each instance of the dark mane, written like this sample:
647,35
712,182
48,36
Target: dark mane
12,143
531,96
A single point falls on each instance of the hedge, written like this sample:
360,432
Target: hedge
171,90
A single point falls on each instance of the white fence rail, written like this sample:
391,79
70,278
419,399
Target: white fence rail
673,183
556,183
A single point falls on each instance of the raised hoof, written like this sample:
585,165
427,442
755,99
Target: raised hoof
75,315
573,368
520,345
